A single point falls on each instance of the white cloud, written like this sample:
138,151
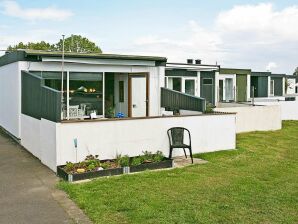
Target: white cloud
12,8
197,42
270,66
244,36
262,21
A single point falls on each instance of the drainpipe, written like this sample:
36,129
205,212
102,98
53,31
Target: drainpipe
62,75
67,94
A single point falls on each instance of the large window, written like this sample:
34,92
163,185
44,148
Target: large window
190,86
85,91
177,84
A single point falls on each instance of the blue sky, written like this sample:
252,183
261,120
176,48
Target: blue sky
247,34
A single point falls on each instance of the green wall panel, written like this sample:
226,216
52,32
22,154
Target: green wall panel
241,83
208,91
278,87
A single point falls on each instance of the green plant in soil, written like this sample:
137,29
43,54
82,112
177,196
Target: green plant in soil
137,161
124,161
158,157
69,167
147,156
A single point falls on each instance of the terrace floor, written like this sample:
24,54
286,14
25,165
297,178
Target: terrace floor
225,105
181,161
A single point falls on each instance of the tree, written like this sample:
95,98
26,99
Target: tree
296,72
33,46
74,43
77,43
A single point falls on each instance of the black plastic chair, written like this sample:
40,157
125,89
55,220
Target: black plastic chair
176,139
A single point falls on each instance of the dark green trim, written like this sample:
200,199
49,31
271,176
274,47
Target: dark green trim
260,73
34,55
278,75
234,71
181,73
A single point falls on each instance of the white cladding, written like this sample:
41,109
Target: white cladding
10,97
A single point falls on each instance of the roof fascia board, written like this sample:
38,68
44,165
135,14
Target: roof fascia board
100,61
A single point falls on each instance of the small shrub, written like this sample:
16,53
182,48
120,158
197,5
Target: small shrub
124,161
147,156
104,165
209,108
136,161
91,166
69,167
158,156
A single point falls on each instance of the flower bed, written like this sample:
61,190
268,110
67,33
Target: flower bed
92,167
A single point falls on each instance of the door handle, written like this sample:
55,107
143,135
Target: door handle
134,106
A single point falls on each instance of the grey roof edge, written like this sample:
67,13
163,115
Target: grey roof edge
36,55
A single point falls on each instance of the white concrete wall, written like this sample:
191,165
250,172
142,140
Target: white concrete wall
289,109
30,134
53,143
39,138
107,138
10,93
255,118
48,143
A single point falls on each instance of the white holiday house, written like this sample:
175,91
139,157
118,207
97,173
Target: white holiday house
110,104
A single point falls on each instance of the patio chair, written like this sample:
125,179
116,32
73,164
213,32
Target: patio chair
176,139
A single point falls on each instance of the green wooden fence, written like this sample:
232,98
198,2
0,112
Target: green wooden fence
175,100
51,104
39,101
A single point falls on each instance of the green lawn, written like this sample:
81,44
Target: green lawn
258,183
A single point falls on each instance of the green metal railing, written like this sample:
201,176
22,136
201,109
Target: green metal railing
175,100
